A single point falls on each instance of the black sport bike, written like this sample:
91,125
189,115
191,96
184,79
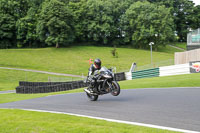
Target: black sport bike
105,83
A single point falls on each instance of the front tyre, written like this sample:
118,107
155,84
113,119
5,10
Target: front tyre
92,97
115,88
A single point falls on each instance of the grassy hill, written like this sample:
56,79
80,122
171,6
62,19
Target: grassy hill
72,60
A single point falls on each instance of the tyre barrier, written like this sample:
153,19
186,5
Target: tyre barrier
120,76
46,87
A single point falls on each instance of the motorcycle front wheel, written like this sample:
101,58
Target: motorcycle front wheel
115,88
92,97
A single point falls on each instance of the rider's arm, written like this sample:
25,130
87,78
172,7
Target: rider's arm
91,70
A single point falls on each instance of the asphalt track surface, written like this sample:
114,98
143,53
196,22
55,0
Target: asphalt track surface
169,107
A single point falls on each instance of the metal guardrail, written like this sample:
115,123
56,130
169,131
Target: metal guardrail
146,73
175,70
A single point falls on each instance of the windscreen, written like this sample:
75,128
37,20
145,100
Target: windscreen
102,70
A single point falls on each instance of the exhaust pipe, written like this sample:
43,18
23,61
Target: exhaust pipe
89,92
86,90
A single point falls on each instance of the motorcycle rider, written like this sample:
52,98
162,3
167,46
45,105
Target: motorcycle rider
91,77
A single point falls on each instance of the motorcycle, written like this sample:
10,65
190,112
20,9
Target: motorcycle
105,83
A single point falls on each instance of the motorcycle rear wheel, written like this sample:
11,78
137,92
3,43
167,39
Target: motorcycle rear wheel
92,97
116,88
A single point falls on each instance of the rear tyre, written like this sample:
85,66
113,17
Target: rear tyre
92,97
116,88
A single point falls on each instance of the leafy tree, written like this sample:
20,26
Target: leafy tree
23,8
183,13
55,24
166,3
145,22
10,12
35,3
79,11
100,20
194,19
8,19
37,23
26,30
9,7
183,9
7,28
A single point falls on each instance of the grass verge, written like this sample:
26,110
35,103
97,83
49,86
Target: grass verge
12,97
186,80
20,121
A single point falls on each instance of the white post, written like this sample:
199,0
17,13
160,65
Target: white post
151,43
151,54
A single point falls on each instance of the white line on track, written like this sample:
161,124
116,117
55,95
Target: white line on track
119,121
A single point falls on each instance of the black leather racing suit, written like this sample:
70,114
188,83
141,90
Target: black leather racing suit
92,78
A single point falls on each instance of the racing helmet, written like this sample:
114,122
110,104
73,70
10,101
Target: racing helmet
97,63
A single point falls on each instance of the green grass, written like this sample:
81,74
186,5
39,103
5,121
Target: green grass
12,97
168,49
20,121
74,60
186,80
9,79
180,45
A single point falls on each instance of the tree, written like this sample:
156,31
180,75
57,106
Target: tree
195,18
7,28
183,13
55,24
166,3
26,30
8,19
183,9
100,20
10,12
79,11
145,22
